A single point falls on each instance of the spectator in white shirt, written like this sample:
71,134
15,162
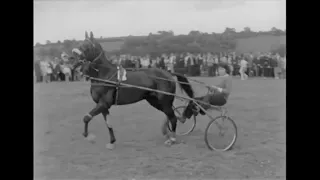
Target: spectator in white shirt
170,64
243,68
230,65
46,70
145,62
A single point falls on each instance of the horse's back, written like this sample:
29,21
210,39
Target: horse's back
153,78
163,79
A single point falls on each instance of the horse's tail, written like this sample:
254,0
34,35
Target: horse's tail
184,84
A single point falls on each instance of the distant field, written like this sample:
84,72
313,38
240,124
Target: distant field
254,44
260,43
111,46
257,106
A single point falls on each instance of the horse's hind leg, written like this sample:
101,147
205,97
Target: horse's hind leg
167,109
153,101
110,145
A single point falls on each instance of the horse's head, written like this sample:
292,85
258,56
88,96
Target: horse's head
89,54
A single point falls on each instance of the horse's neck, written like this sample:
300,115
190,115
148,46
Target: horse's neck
106,68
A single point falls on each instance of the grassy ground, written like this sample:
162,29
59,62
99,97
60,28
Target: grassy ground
257,105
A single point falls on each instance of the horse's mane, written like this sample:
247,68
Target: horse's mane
104,59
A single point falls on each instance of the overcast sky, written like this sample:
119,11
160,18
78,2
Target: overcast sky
61,19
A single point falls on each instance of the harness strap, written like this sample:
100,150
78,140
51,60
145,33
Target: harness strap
118,84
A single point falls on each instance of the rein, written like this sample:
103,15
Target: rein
154,90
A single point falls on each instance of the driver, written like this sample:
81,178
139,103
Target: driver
218,95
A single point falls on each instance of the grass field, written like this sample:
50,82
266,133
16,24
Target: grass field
257,106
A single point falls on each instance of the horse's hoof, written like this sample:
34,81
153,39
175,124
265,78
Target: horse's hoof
85,134
173,140
168,142
90,137
110,146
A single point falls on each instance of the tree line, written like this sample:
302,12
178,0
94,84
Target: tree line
167,42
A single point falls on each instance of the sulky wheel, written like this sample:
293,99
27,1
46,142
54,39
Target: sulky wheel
221,133
186,127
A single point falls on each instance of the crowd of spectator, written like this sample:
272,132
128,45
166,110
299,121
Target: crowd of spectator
56,69
266,65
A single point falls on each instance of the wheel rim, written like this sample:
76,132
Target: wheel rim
183,128
215,135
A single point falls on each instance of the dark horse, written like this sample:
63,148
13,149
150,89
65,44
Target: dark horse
94,63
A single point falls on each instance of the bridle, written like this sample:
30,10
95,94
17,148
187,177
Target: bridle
94,61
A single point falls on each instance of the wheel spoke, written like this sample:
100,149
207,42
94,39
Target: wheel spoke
215,140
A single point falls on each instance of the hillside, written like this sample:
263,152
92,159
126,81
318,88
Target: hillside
112,46
263,43
166,42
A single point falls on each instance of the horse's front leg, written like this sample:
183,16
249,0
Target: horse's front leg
87,118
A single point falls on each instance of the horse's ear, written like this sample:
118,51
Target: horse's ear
91,36
86,35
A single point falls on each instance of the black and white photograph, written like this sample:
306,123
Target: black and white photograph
159,89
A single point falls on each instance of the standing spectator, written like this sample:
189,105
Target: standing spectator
260,65
204,64
162,64
171,61
66,71
243,68
166,61
127,62
38,71
200,63
255,66
276,66
230,65
236,66
56,69
270,68
249,59
210,63
137,62
158,59
180,64
223,60
145,62
154,62
215,65
265,65
189,63
180,61
74,75
46,70
283,67
193,65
